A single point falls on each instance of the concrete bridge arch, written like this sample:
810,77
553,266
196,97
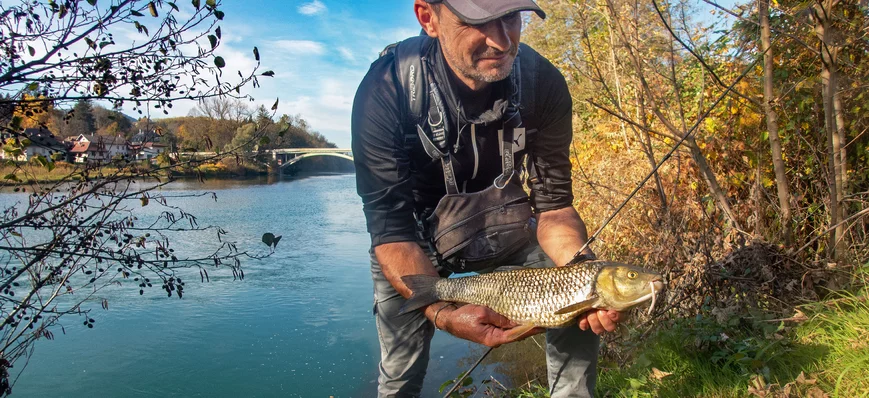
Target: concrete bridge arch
315,154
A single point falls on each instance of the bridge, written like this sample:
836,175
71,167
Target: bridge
288,156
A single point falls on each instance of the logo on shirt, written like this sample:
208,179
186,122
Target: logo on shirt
518,139
412,83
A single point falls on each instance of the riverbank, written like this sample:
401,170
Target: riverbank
26,173
820,351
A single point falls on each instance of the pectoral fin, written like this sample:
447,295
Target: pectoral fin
517,332
579,307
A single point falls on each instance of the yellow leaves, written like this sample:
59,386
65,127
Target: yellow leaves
710,125
737,179
750,119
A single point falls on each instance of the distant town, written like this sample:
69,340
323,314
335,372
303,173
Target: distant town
89,134
87,148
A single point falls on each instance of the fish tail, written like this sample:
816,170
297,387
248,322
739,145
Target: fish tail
422,288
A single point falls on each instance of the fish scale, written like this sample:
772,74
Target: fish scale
525,296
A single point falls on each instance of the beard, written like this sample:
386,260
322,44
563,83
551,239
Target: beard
474,72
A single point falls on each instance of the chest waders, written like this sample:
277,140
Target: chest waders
466,231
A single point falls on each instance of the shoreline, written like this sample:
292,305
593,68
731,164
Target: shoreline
21,175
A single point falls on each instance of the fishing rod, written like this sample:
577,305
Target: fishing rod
577,258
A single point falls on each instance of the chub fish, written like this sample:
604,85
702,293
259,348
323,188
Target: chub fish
542,297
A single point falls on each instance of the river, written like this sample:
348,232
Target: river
298,325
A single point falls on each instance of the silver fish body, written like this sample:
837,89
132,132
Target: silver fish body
545,297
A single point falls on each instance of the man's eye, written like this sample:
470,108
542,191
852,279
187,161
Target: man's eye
512,17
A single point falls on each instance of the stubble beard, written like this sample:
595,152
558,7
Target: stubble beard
474,73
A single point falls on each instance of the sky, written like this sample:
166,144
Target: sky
319,51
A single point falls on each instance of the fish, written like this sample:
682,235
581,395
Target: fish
541,297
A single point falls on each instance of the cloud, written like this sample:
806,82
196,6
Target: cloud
299,47
347,54
327,109
313,8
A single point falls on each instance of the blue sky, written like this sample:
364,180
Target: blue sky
319,51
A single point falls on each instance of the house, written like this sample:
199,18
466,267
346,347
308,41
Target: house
146,146
42,142
99,148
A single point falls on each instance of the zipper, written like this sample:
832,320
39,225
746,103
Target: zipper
476,154
503,208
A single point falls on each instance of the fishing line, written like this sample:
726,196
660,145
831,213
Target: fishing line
578,257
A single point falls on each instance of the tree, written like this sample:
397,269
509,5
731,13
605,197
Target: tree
72,240
68,52
783,189
111,122
80,120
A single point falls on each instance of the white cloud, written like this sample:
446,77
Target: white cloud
347,54
328,109
299,47
313,8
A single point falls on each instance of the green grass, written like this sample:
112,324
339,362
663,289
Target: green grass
750,356
828,352
842,325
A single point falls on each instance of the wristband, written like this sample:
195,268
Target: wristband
435,320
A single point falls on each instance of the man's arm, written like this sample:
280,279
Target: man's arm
561,234
470,322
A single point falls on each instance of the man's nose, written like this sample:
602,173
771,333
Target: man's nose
497,35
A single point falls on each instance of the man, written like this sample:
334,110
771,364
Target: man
470,59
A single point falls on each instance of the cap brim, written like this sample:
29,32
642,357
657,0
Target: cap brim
477,12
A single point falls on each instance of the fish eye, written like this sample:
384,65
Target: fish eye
632,274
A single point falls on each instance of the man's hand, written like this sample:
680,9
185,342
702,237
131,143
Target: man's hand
600,320
479,324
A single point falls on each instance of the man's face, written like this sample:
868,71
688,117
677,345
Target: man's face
479,54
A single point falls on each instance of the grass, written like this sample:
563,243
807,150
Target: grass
12,174
26,173
827,353
822,352
842,325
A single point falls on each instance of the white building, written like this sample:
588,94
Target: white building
146,146
99,148
42,142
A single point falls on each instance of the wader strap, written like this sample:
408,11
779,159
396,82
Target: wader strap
438,146
444,157
506,137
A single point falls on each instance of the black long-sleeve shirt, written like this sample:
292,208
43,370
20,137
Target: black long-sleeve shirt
394,179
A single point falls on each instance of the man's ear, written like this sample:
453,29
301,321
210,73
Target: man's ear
427,18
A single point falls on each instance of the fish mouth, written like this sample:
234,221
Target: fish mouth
655,286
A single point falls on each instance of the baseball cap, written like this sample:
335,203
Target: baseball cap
476,12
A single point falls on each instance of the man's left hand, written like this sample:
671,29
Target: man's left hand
600,320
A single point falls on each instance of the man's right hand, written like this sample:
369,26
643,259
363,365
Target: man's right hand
479,324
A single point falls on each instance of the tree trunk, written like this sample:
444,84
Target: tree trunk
778,164
829,74
843,141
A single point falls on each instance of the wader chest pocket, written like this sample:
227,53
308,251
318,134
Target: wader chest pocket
475,231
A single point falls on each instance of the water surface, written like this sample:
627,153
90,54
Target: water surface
298,325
